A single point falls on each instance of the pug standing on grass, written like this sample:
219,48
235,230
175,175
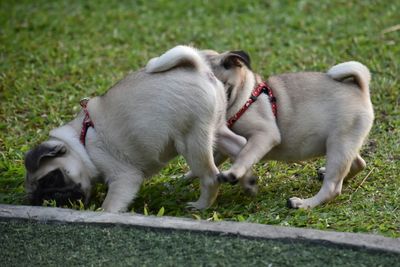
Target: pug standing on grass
132,131
296,116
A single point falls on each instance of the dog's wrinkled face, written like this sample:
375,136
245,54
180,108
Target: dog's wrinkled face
55,172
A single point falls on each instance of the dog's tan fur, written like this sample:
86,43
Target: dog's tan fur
318,114
139,125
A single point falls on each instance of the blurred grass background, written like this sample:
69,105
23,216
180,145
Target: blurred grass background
53,53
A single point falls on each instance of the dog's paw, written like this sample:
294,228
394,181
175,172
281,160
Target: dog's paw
297,203
249,185
196,206
321,173
227,178
252,191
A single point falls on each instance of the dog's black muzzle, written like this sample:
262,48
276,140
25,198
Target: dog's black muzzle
53,187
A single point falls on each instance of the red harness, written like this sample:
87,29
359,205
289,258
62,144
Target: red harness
262,87
87,121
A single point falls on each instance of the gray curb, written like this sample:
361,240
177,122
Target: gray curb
44,214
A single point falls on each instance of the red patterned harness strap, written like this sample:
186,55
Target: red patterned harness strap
87,121
262,87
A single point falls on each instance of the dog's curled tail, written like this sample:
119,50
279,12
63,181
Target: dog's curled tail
180,55
352,69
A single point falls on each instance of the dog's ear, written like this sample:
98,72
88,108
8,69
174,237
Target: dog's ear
34,156
237,58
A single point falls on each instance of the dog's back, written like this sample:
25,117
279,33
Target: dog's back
148,116
315,105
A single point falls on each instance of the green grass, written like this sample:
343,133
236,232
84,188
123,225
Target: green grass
34,244
53,53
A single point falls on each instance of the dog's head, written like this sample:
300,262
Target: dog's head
55,172
231,68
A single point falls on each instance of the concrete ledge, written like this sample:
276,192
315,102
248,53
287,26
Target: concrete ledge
44,214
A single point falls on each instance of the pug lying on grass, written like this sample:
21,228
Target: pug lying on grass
295,117
131,132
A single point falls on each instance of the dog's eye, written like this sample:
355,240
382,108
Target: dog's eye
227,65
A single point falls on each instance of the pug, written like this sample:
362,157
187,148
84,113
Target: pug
297,116
132,131
294,117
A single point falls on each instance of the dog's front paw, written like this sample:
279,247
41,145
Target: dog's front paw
227,178
297,203
249,185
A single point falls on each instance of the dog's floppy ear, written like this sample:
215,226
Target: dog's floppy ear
237,58
34,156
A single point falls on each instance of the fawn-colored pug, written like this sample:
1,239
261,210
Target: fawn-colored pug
294,117
298,116
131,132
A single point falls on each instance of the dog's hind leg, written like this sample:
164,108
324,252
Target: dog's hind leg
228,144
198,153
357,165
339,162
219,158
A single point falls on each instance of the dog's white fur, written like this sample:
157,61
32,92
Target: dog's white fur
139,125
318,114
70,137
227,143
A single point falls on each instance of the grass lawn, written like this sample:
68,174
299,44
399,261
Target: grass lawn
53,53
